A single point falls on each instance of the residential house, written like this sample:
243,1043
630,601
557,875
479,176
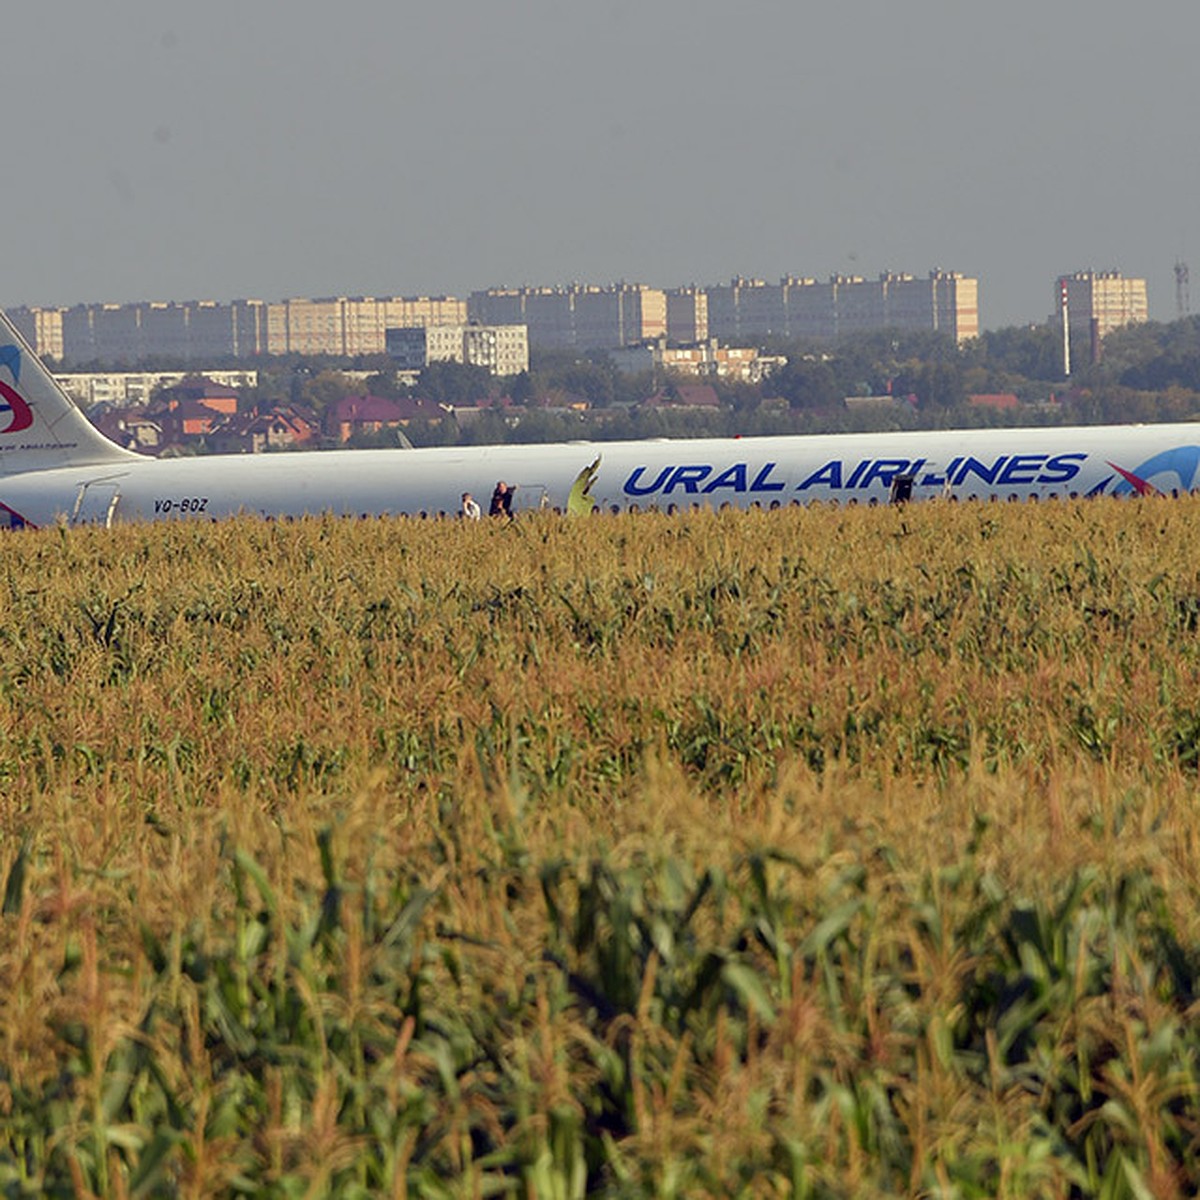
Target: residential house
192,409
129,427
284,427
685,395
369,414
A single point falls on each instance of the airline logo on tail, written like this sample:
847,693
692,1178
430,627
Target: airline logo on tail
15,413
1180,463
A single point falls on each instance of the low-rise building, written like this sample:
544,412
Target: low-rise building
502,350
370,414
279,428
129,427
685,395
192,409
709,359
125,389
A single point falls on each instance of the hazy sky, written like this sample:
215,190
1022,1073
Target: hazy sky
170,151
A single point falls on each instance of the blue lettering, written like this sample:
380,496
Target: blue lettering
732,477
1063,466
1022,468
760,483
631,484
972,466
884,469
689,478
856,474
830,475
933,479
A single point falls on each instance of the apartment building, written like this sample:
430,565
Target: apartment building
745,308
860,305
347,326
576,317
798,307
500,349
204,331
957,300
194,331
1099,302
708,359
810,307
124,389
42,328
687,315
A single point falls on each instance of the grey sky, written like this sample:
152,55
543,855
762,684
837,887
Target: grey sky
218,150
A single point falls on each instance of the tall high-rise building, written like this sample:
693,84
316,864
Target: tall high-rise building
42,328
846,304
1099,302
745,308
576,317
809,307
944,301
957,304
860,305
687,315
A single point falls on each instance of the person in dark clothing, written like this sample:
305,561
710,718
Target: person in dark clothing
501,505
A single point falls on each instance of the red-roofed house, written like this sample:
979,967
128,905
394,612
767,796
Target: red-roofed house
199,391
187,419
192,409
370,414
686,395
361,414
278,429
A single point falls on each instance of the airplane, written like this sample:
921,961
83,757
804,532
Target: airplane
56,467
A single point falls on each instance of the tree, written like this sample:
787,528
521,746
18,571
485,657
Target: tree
1033,352
594,381
454,383
807,383
935,384
520,388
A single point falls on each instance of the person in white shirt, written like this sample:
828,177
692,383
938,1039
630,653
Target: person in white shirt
470,509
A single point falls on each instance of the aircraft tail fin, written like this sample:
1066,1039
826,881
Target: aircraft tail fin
40,425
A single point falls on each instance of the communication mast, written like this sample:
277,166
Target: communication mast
1183,302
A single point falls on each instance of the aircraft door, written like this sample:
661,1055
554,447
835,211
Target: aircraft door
530,496
96,504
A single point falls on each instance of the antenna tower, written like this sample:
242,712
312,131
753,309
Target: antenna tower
1183,301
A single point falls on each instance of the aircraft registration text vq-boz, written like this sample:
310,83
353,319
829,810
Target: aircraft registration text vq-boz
56,466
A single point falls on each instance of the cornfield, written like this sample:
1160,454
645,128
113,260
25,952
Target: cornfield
820,853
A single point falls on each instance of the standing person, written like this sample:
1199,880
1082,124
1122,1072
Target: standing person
470,507
501,505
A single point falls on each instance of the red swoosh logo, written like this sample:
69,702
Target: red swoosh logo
22,416
1139,485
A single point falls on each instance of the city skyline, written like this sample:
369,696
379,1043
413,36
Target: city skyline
580,317
168,150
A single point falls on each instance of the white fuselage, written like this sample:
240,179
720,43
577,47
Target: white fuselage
662,474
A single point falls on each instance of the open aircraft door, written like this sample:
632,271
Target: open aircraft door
96,503
530,496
